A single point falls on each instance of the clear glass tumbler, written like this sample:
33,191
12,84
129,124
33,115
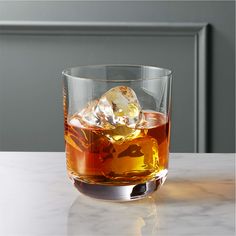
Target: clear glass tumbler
117,129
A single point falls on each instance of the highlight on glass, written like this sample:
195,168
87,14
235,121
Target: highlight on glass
117,129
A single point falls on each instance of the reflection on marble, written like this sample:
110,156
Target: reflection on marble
188,207
197,207
196,199
87,216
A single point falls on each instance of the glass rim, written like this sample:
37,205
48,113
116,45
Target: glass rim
168,74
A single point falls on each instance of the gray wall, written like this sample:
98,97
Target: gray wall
195,39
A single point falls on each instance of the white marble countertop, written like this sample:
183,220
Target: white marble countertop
37,198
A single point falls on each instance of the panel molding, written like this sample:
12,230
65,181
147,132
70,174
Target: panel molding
198,30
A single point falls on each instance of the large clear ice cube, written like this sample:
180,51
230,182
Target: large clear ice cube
120,106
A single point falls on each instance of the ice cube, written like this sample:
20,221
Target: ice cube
133,158
119,106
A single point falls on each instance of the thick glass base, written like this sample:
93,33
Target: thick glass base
123,192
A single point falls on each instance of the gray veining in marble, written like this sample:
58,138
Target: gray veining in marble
36,198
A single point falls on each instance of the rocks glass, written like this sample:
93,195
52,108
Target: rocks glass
117,129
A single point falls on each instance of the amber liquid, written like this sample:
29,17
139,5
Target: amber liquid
119,156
